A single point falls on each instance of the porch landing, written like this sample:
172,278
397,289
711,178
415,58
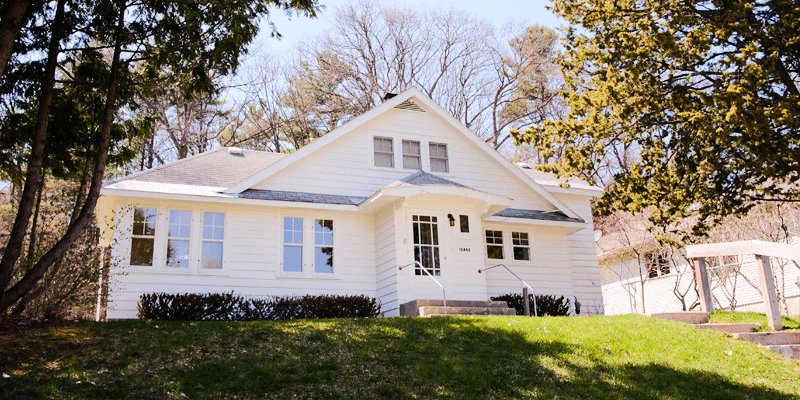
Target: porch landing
432,308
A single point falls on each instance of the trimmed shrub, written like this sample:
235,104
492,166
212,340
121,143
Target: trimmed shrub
545,304
229,307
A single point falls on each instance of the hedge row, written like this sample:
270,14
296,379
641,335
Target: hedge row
545,304
230,307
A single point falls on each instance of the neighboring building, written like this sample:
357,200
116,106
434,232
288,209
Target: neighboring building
403,182
640,275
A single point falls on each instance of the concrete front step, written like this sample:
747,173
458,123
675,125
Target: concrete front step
692,317
431,311
412,308
787,350
731,328
771,338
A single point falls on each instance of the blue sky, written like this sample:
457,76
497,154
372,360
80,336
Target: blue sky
499,12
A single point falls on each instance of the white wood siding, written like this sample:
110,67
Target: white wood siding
386,260
346,166
252,257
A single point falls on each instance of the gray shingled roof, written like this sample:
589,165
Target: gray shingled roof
533,214
280,195
424,178
217,168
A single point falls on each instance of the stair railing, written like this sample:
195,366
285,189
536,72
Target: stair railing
535,312
425,270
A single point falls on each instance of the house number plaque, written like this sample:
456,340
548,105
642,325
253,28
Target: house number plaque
464,249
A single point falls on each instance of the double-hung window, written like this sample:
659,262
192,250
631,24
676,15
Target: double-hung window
411,155
178,239
213,236
292,244
323,246
494,244
144,235
438,152
384,152
521,244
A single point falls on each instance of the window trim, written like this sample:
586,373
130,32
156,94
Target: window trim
154,262
187,239
446,157
200,240
526,246
375,152
331,246
501,245
418,155
301,245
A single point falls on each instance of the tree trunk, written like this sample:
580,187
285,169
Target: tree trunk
35,160
58,250
14,17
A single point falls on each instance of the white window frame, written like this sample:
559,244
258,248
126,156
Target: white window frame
201,240
324,245
431,145
301,245
376,152
153,237
418,156
187,239
486,243
514,245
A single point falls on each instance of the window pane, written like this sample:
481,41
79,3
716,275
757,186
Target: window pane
438,165
211,257
144,221
293,230
411,155
293,258
495,252
323,260
142,251
178,253
384,160
213,226
522,253
464,223
179,222
410,162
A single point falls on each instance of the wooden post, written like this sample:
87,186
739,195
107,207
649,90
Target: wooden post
703,284
769,293
526,305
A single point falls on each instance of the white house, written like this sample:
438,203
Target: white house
404,182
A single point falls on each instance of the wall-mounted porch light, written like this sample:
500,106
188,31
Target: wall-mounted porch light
452,219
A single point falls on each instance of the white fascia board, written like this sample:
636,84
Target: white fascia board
437,110
319,143
571,226
589,192
225,199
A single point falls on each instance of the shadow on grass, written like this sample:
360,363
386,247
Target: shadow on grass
393,358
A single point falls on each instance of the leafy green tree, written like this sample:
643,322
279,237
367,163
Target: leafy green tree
706,93
131,47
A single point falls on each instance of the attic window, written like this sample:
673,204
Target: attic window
409,105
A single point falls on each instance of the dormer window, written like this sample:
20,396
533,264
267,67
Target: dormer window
384,152
411,155
438,157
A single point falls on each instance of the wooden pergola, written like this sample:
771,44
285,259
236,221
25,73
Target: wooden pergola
762,252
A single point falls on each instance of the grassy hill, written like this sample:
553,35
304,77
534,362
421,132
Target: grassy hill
625,357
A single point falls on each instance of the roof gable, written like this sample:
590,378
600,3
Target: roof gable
409,100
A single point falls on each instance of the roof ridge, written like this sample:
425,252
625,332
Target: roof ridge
169,164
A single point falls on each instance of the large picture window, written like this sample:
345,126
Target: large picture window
438,153
494,244
323,246
426,245
144,234
213,237
292,244
178,239
384,152
411,155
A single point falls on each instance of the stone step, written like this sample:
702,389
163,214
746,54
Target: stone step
692,317
731,328
412,307
787,350
431,311
770,338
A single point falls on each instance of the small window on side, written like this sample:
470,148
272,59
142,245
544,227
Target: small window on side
464,223
438,153
494,245
521,244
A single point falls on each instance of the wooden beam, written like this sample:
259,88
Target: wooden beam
768,291
703,285
747,247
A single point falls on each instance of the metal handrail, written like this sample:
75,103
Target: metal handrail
535,313
444,297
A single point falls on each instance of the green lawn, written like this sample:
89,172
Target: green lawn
624,357
738,317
